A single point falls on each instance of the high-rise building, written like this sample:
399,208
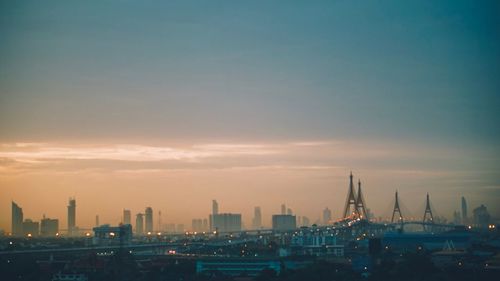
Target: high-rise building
205,225
49,227
149,219
17,220
126,217
139,224
227,222
481,217
284,222
31,228
327,216
289,212
72,217
215,207
283,209
97,220
197,225
305,221
464,211
257,218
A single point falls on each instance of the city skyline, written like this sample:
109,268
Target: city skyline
171,105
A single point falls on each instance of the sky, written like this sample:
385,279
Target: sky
170,104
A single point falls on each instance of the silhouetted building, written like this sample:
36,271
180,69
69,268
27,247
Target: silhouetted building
126,217
283,209
305,221
205,225
31,228
481,217
17,220
284,222
149,220
139,224
327,216
289,212
215,207
464,211
257,218
97,220
49,227
72,217
197,225
112,235
227,222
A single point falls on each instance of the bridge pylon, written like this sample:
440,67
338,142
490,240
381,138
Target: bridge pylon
360,204
397,210
428,217
351,204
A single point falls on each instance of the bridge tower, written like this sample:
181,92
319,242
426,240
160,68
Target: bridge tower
397,210
428,218
360,203
351,201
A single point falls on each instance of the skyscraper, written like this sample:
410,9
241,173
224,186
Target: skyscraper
17,220
327,216
49,227
126,217
215,207
139,224
149,219
464,211
72,216
283,209
257,218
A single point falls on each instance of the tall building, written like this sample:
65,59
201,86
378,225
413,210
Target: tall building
305,221
97,220
215,207
257,218
49,227
139,224
464,211
327,216
481,217
72,217
283,209
289,212
205,225
284,222
126,217
197,225
227,222
17,220
31,228
149,219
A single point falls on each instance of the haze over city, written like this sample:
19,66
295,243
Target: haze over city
171,105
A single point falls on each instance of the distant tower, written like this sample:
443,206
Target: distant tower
97,220
397,210
464,210
428,212
17,220
159,221
257,218
360,203
139,224
351,201
72,216
126,217
283,209
289,212
327,216
149,219
215,207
